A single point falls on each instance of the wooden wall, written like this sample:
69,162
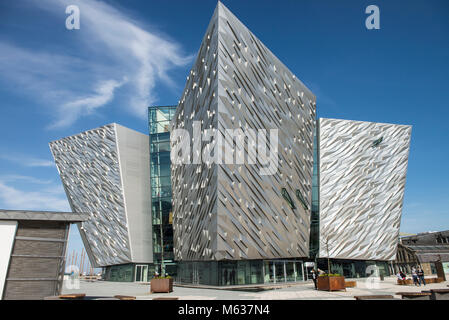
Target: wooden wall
36,267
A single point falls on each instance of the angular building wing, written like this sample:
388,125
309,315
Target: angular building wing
362,173
225,211
105,173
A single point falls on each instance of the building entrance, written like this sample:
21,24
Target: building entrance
279,271
141,273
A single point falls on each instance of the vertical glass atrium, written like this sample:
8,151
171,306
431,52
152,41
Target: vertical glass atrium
161,198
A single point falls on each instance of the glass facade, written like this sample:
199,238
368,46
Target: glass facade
242,272
161,200
355,268
120,273
315,218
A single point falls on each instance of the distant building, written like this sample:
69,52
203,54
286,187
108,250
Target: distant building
425,249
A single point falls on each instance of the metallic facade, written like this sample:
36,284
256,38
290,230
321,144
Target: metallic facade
105,173
230,211
362,173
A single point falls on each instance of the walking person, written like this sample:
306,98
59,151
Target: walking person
314,278
415,277
421,276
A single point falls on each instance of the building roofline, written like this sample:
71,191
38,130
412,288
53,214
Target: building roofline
390,124
93,129
43,215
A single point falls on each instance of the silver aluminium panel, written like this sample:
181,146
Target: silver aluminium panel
362,173
105,173
232,211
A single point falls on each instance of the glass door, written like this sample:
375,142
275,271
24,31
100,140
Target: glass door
290,271
299,271
268,269
141,273
309,266
279,271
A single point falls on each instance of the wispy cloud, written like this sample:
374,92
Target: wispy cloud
72,110
16,177
115,52
45,199
27,161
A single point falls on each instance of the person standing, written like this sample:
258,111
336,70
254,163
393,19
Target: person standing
415,277
314,278
421,276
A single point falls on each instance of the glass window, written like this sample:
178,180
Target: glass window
287,197
299,273
256,272
268,272
279,270
290,271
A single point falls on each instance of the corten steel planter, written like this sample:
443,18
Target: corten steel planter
405,282
161,285
350,284
331,283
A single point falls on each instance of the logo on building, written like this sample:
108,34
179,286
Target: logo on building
377,142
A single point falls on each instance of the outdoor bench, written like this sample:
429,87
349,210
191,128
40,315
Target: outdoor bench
375,297
415,295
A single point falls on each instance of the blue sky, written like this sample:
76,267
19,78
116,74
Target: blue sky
131,54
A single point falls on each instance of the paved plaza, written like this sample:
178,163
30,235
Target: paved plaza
303,290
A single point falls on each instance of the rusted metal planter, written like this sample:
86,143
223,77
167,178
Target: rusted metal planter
161,285
331,283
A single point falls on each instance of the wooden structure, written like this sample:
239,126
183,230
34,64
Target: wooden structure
405,282
124,297
428,280
350,284
375,297
35,263
415,295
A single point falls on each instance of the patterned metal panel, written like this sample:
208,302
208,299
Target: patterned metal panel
363,168
88,164
232,211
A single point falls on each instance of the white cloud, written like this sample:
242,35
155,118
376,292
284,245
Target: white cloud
113,52
72,110
49,199
16,177
27,161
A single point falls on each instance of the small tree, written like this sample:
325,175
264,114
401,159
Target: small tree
325,241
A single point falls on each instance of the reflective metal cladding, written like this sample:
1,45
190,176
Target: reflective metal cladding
232,211
105,173
362,172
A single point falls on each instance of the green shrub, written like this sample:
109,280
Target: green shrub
160,277
330,275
